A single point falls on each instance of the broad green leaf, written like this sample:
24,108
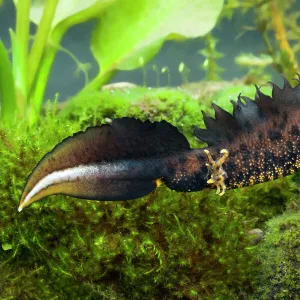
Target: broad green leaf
65,9
7,88
129,30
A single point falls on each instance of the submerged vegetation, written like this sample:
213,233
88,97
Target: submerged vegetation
279,277
166,245
22,94
276,21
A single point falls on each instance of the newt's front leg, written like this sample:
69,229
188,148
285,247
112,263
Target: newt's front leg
217,173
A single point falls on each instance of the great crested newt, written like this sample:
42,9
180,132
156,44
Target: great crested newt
128,159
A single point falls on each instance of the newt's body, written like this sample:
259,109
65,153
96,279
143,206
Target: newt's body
126,160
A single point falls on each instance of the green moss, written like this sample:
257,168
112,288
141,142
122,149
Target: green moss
280,258
176,106
166,245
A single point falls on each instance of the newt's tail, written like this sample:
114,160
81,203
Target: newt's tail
110,162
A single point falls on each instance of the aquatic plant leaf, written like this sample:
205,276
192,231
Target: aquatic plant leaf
251,60
64,10
6,246
127,36
8,103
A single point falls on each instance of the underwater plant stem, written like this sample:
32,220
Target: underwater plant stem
210,60
50,50
97,82
7,87
268,44
39,87
20,52
4,139
280,33
40,40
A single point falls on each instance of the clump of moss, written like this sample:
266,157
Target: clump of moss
175,105
166,245
280,258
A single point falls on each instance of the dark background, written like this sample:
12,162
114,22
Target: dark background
64,81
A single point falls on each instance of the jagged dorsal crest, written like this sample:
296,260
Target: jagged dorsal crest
246,115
